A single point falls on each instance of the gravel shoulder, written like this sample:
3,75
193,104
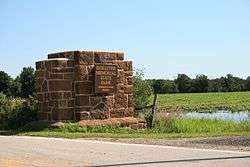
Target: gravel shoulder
237,143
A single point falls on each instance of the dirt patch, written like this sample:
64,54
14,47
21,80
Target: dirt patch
238,143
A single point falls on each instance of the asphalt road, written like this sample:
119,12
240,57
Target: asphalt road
36,151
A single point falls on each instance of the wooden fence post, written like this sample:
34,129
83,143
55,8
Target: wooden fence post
154,107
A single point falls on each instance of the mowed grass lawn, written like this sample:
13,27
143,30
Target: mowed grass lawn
234,101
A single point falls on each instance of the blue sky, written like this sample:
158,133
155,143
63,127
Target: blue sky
165,37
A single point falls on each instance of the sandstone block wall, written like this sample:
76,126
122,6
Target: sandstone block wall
65,85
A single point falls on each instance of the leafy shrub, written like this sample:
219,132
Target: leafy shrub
5,83
21,116
142,90
27,81
4,103
16,112
35,126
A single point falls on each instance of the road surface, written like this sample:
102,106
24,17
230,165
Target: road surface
40,152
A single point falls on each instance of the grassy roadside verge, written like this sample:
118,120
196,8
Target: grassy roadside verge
233,101
70,135
171,128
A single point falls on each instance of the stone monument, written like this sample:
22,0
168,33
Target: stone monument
84,85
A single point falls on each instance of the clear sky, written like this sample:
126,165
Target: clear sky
165,37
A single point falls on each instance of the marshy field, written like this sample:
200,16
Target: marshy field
232,101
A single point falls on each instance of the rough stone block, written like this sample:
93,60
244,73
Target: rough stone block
117,113
130,80
128,73
81,73
129,66
121,77
71,103
120,56
95,100
39,83
40,96
91,78
48,65
58,63
121,65
128,89
56,115
67,95
121,100
99,114
84,87
44,86
69,76
55,55
45,106
62,114
82,100
79,109
70,63
63,70
60,85
129,112
103,57
84,115
109,101
120,88
46,97
56,95
84,58
124,65
62,104
91,69
56,76
40,74
69,55
40,65
130,100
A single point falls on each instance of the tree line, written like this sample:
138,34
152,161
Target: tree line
185,84
21,86
24,84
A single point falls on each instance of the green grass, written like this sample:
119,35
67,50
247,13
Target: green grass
165,128
70,135
196,126
234,101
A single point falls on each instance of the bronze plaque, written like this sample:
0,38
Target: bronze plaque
105,78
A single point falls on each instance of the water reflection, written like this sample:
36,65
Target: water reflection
223,115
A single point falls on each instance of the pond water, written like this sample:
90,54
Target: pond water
223,115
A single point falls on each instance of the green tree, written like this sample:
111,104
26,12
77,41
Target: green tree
16,87
231,83
158,86
248,83
169,86
183,83
5,83
214,85
142,90
201,83
27,80
161,86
